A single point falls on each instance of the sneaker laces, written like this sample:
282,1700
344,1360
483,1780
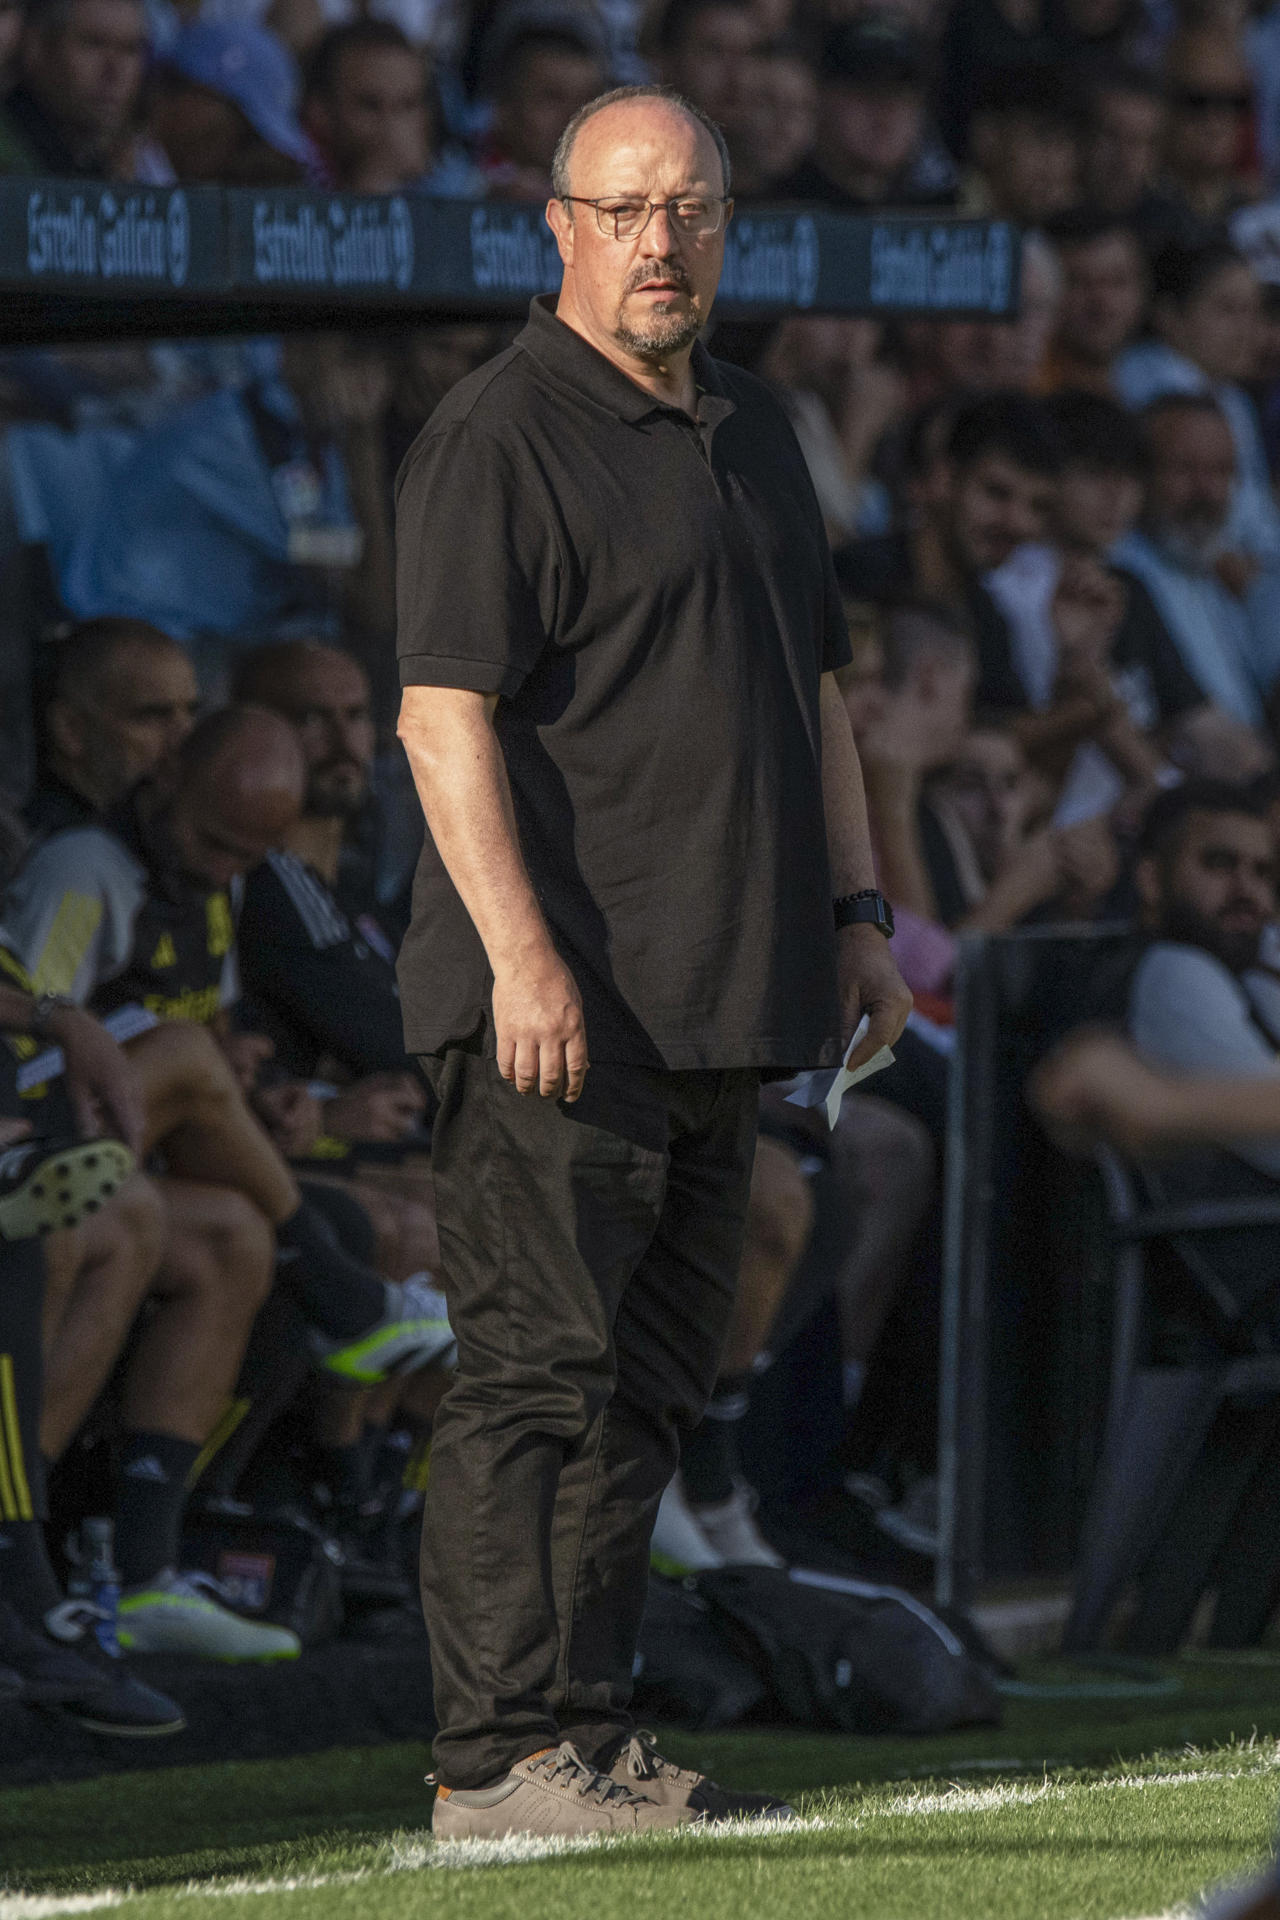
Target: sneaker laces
71,1620
565,1767
644,1762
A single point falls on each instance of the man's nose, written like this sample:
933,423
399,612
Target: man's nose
659,241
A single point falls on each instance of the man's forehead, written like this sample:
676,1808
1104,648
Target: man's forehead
633,142
326,680
1230,832
1193,435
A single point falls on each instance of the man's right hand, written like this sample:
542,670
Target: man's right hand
101,1084
537,1016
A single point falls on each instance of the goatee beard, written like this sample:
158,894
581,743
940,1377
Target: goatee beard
665,334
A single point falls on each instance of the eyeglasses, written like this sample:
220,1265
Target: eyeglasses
627,219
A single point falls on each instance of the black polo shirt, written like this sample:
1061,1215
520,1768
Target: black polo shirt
653,600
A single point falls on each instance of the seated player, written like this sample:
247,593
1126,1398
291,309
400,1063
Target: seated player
321,985
104,1221
199,1259
135,918
118,696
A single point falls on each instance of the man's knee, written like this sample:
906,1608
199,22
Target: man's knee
179,1060
220,1243
780,1207
244,1246
138,1210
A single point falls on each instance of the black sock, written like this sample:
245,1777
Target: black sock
275,1365
709,1462
151,1492
340,1295
27,1578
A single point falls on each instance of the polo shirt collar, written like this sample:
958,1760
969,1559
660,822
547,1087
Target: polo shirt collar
565,354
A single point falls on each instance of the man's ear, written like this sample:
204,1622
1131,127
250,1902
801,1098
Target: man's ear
67,727
560,221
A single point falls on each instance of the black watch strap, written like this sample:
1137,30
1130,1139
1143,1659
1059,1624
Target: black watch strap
865,908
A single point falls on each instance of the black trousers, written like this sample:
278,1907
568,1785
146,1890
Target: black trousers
590,1255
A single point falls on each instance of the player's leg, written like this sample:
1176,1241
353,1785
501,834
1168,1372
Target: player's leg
711,1483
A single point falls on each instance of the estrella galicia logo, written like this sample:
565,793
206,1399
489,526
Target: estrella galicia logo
999,268
400,223
805,242
178,237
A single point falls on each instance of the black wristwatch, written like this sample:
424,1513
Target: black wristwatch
868,907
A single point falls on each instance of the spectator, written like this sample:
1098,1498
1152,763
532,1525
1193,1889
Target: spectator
991,490
1104,296
1203,1001
224,108
773,119
968,357
12,17
1122,156
121,696
539,77
1104,684
1025,144
234,512
873,144
841,396
80,69
930,669
1214,604
367,107
705,50
980,38
1208,315
1210,93
992,864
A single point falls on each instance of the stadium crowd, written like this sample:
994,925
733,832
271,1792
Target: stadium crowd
1059,543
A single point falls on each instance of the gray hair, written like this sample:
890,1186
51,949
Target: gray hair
615,98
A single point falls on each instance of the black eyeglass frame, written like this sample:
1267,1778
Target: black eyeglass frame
722,200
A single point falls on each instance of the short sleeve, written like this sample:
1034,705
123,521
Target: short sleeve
476,567
836,649
1150,642
69,912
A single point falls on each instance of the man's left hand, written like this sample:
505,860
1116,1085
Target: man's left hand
870,983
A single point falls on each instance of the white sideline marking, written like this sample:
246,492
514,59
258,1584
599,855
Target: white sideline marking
410,1855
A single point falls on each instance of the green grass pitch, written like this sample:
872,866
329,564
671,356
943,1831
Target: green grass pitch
1115,1802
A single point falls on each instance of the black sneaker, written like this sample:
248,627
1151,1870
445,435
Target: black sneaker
98,1691
49,1674
47,1184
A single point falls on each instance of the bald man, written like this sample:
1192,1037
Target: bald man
648,878
121,697
140,911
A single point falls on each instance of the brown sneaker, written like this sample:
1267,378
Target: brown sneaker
642,1768
554,1791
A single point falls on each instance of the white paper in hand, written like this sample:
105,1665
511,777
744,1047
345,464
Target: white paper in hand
829,1085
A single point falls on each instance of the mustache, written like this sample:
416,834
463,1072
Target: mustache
672,270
